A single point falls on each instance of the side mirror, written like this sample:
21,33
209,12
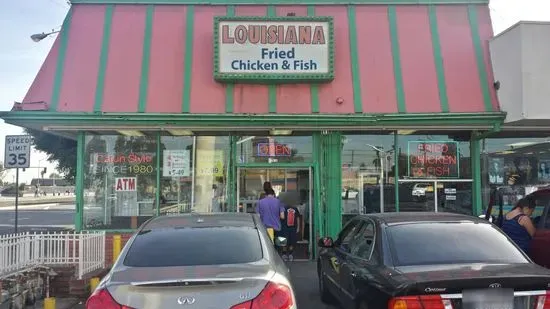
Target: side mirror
491,218
281,241
326,242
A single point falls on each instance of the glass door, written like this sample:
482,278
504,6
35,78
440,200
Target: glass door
299,180
439,195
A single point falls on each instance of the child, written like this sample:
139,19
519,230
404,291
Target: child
289,230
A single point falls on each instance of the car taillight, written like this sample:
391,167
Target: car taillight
102,299
273,296
543,302
420,302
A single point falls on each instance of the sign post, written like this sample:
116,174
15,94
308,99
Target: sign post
17,155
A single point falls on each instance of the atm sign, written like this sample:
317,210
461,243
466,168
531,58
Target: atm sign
125,184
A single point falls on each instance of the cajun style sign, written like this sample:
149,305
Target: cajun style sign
432,159
273,49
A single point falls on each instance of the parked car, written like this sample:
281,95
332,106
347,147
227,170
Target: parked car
540,244
428,260
197,261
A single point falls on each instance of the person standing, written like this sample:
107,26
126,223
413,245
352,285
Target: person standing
271,212
518,225
289,230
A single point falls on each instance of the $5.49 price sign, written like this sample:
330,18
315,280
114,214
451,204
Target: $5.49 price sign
18,151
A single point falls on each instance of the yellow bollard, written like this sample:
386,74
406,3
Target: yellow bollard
117,242
93,284
49,303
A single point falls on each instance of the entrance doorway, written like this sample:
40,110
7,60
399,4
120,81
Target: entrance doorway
250,186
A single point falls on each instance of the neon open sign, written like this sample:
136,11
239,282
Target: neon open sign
432,159
273,150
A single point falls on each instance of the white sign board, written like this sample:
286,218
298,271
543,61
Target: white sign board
18,151
123,184
274,47
176,163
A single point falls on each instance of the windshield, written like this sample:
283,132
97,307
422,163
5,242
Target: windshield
194,246
432,243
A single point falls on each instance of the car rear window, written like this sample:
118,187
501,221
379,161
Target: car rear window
194,246
451,243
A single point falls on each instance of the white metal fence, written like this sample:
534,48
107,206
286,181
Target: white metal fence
25,250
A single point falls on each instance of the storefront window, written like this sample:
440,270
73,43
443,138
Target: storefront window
367,162
515,167
274,149
434,174
119,181
194,174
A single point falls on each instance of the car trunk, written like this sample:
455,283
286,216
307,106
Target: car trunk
452,282
205,287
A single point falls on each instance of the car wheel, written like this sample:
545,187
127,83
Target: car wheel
326,296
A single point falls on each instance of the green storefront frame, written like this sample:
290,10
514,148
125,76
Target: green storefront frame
326,131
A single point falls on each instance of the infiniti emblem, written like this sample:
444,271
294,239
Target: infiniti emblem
495,285
186,300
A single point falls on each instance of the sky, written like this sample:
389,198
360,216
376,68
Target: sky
21,58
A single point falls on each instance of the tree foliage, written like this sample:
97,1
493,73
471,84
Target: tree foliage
59,149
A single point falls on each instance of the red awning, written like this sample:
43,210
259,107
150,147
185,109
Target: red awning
159,58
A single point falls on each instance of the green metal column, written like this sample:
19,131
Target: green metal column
317,205
333,188
475,164
231,195
79,181
159,189
396,169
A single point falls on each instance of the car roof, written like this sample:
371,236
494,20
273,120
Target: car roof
230,219
393,218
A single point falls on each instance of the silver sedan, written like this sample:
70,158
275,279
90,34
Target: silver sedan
207,261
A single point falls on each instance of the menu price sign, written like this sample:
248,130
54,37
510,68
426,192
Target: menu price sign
176,163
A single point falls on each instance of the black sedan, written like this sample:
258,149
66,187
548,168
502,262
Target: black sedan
429,261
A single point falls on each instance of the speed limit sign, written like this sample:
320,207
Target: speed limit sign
18,151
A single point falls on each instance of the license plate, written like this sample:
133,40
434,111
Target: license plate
488,299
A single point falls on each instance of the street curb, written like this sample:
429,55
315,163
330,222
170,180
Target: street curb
37,202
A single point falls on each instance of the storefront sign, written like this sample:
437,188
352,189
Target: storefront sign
136,163
273,49
125,184
175,163
273,150
433,159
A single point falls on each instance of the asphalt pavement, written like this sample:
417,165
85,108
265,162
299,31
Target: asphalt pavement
37,218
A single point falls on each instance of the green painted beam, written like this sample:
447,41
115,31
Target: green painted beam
313,88
438,59
272,88
354,56
480,58
146,59
313,121
188,61
60,62
279,2
229,87
396,169
103,56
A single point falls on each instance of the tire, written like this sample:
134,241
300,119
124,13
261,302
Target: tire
326,296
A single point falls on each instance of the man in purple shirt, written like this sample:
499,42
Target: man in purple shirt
271,211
